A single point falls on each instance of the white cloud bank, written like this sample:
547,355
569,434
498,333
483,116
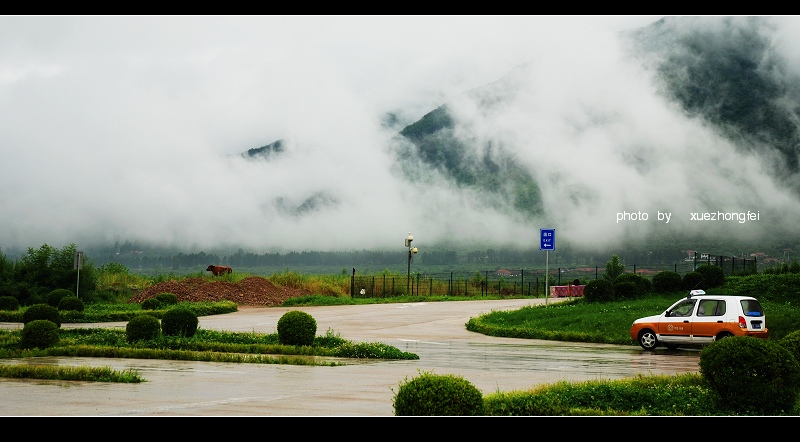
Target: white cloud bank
128,128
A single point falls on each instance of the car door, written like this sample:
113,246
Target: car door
676,324
708,320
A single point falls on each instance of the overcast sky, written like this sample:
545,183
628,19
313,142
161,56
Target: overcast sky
128,128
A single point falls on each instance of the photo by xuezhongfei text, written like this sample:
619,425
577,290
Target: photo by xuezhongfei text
741,217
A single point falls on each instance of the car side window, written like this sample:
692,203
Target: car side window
711,307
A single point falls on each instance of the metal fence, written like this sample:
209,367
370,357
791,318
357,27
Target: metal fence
518,282
443,284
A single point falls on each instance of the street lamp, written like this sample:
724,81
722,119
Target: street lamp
411,252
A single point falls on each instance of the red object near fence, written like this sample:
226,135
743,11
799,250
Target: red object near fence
566,291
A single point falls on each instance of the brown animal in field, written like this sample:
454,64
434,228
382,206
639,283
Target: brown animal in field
219,270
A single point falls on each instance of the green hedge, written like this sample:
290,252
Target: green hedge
751,376
438,395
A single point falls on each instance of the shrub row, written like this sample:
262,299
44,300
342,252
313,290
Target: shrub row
634,286
294,327
160,301
178,321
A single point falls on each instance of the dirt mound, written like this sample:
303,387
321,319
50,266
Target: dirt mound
253,290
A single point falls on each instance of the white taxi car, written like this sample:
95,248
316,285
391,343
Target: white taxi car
701,319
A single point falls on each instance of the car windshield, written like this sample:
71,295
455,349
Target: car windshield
683,308
751,307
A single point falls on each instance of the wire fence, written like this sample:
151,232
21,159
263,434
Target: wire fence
558,281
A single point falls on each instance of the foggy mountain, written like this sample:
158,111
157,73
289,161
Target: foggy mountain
703,129
730,73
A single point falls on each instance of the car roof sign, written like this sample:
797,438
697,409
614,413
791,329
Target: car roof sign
696,293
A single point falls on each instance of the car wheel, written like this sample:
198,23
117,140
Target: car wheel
723,335
648,340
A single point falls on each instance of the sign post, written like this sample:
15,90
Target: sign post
78,265
547,242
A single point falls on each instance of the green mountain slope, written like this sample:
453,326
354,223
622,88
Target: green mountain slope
432,147
729,72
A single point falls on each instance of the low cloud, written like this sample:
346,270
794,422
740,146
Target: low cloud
131,129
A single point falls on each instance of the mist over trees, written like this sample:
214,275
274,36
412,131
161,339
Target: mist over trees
378,260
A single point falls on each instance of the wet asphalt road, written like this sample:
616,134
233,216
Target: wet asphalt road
434,331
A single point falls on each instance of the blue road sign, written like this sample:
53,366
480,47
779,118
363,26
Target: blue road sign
547,239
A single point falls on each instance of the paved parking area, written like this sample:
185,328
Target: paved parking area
434,331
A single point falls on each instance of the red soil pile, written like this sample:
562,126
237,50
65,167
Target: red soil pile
253,290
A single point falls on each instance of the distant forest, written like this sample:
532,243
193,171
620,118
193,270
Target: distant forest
394,260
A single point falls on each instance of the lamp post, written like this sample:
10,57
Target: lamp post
411,252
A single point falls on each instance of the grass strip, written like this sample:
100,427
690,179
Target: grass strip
184,355
65,373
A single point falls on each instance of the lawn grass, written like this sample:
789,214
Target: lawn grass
604,322
660,395
123,311
83,373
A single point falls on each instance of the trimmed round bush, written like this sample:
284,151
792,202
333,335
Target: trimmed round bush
9,303
667,282
179,321
713,276
625,290
641,286
438,395
41,311
54,297
39,333
751,376
598,290
792,343
151,304
143,328
693,280
297,328
71,303
167,298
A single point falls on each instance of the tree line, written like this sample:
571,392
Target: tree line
565,256
40,271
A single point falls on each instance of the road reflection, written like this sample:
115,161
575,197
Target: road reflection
590,361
